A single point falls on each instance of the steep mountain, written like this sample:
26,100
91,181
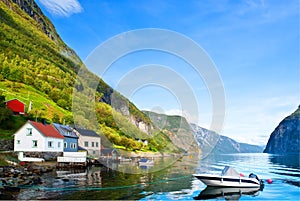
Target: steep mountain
42,23
33,54
211,142
39,69
285,139
177,129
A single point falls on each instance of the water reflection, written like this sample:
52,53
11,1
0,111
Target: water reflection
226,193
121,185
290,161
174,182
287,166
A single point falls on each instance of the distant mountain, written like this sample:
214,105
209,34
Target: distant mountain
285,139
177,129
185,135
211,142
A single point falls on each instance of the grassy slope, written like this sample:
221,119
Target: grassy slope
26,93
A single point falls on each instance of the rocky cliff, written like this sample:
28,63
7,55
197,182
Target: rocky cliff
43,23
285,139
211,142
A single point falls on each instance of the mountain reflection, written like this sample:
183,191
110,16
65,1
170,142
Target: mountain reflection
288,166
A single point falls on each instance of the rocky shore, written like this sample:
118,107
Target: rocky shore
13,178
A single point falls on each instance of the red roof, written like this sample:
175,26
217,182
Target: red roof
47,130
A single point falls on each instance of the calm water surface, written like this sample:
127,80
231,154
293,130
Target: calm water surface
174,182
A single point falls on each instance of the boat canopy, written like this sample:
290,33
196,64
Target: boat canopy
143,160
230,171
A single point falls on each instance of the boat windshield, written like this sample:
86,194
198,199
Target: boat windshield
230,171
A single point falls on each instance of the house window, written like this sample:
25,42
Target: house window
18,141
86,143
94,152
93,144
97,144
50,144
73,146
58,144
34,143
65,145
29,132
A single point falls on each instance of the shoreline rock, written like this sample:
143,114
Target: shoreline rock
16,177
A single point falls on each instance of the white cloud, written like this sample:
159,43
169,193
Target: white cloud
64,8
254,122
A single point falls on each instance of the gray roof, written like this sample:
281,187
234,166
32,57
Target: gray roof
86,132
65,130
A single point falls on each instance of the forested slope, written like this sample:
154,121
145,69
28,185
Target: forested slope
39,69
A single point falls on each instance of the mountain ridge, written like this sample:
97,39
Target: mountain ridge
208,141
214,143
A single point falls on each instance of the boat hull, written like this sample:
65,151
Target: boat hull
229,193
228,181
148,163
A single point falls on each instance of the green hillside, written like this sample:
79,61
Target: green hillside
36,66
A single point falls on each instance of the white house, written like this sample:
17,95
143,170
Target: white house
38,137
90,141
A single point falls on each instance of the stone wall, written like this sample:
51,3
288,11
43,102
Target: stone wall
48,156
6,145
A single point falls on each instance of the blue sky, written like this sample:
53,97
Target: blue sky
253,44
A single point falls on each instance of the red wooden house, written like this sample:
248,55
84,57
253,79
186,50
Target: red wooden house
16,106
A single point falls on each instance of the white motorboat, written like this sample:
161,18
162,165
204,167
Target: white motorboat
145,162
230,178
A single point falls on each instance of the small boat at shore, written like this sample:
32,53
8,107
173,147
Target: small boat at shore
145,162
230,178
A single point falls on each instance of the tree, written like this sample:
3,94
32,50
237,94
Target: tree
36,114
68,119
56,118
2,100
62,103
5,115
55,94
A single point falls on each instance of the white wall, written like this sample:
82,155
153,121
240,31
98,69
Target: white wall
42,142
92,151
54,147
26,141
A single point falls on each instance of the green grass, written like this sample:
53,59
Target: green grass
25,93
6,134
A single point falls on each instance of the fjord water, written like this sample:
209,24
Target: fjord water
172,183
